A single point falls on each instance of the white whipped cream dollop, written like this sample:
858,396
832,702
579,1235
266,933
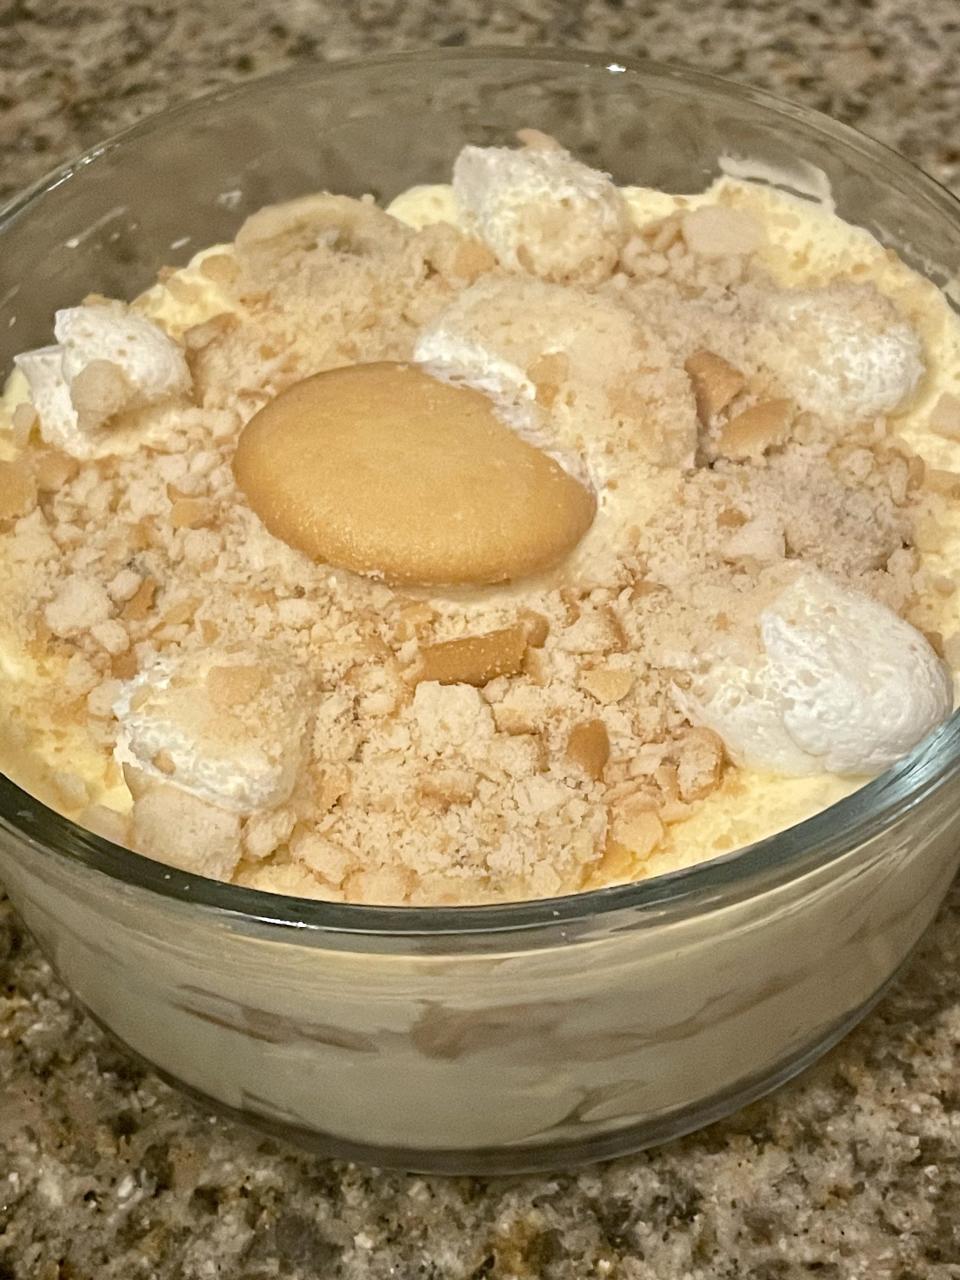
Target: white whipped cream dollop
451,357
171,731
108,360
839,684
843,352
541,211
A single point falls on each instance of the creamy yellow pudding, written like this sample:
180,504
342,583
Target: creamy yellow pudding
643,546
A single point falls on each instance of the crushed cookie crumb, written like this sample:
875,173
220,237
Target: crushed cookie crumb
475,659
588,747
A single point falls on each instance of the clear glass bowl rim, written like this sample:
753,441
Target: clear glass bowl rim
809,846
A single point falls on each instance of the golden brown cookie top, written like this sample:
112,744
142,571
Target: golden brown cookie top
385,470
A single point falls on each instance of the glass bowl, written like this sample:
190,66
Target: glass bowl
500,1038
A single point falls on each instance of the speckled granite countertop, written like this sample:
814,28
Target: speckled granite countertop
854,1171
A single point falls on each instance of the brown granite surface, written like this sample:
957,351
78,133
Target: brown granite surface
852,1172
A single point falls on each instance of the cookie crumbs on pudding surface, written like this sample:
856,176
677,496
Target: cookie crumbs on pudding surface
219,653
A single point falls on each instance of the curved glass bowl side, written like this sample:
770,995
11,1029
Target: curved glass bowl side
511,1049
811,847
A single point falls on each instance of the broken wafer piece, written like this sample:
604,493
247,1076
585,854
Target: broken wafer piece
715,382
475,659
635,829
606,684
385,470
588,746
945,416
751,433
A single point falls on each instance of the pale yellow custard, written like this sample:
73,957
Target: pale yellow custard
488,740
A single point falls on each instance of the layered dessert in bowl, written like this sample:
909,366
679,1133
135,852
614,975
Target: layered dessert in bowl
424,608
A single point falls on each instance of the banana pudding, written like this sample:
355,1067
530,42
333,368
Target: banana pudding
528,536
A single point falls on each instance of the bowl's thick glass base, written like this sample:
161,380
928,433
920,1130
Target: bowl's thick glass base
533,1159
